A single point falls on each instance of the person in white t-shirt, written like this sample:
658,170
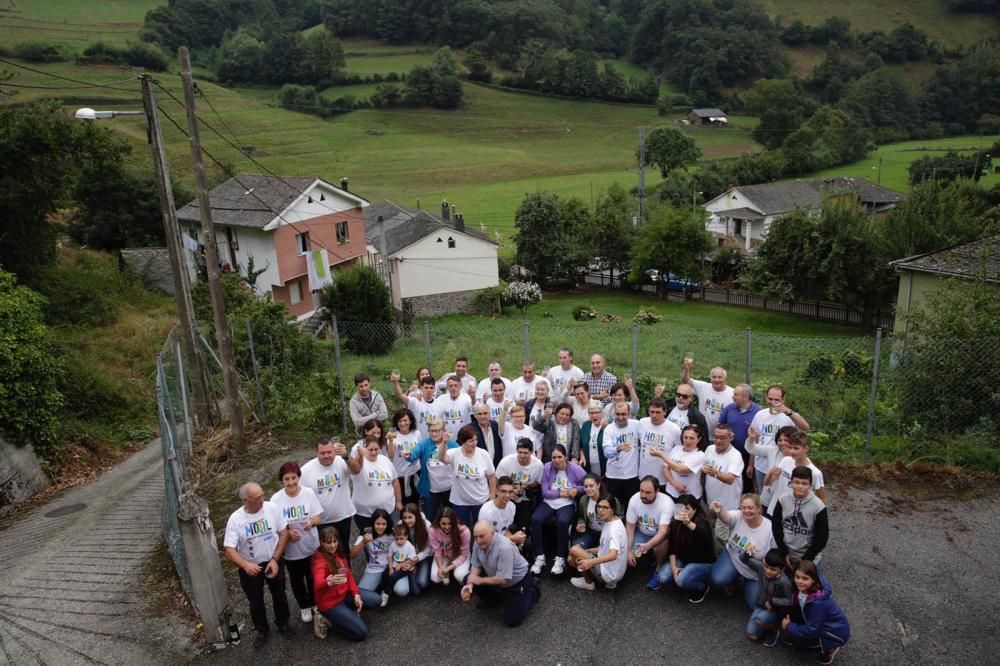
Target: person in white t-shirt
749,532
454,408
647,520
303,513
404,438
467,381
513,427
474,479
622,392
581,403
723,470
683,465
326,475
255,539
764,427
657,437
493,371
779,478
713,396
421,405
609,560
501,511
523,388
495,399
562,481
525,469
621,452
374,484
564,376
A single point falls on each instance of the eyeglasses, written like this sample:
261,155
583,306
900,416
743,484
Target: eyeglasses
684,395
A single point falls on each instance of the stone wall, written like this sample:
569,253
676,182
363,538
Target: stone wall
21,475
152,266
435,305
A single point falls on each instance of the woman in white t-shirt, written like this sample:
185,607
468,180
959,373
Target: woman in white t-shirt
374,484
373,428
375,541
303,512
684,463
404,437
588,523
608,561
749,532
513,428
475,478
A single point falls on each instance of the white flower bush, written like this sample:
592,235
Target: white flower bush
522,294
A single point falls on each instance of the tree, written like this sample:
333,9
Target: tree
542,240
241,58
613,223
361,300
882,100
780,105
324,57
478,67
669,148
671,241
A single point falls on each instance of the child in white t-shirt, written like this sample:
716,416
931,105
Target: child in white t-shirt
401,574
779,478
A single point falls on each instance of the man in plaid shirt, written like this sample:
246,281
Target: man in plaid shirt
600,382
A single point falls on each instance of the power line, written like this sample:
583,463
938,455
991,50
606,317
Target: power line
83,84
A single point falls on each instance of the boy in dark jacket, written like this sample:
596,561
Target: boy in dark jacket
774,596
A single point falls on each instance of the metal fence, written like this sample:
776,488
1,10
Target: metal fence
821,310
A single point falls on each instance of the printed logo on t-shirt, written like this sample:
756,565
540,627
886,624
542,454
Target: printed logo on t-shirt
652,440
452,414
468,470
647,521
769,429
295,512
714,405
561,483
562,436
257,528
739,541
434,460
521,477
377,478
399,557
328,483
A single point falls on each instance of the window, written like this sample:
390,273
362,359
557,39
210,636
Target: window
302,243
738,231
451,242
295,292
342,233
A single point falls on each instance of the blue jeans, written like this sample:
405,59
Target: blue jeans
693,576
371,581
403,584
424,573
587,540
344,618
724,574
762,623
433,502
564,517
467,513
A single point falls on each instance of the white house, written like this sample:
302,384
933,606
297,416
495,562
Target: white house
275,223
742,215
436,264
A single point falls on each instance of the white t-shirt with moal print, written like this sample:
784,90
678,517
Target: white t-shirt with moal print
511,436
711,403
730,462
405,443
741,534
649,517
254,535
329,482
297,511
523,390
560,379
422,411
767,454
470,485
694,461
373,487
521,474
454,412
501,519
622,464
664,437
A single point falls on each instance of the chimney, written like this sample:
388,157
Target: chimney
460,222
445,210
343,184
453,211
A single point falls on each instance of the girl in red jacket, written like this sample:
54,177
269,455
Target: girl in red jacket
337,595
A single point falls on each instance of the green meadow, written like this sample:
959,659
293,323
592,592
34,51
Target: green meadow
72,23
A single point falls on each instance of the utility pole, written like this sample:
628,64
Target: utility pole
228,358
642,177
204,412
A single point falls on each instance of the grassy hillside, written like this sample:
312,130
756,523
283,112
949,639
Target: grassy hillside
72,23
932,16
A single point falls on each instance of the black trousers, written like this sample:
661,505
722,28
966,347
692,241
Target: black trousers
253,587
516,600
623,489
301,581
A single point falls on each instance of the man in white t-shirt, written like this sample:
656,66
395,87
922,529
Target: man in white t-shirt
454,408
764,428
713,396
647,521
421,405
327,475
621,449
501,511
525,470
468,382
522,389
496,398
255,539
723,470
564,376
493,371
656,434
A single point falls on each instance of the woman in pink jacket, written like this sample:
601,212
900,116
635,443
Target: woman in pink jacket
450,541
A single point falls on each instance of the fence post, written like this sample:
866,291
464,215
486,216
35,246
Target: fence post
340,375
527,342
184,397
635,354
817,309
427,346
749,351
871,398
208,584
256,372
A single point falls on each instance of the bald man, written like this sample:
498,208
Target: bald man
255,539
499,575
713,395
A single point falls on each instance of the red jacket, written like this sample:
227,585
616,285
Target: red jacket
327,597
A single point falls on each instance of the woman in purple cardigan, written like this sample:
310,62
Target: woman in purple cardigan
562,482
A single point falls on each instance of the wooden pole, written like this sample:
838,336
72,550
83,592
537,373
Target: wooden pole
222,338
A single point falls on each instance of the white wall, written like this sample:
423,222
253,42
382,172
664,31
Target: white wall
429,267
301,209
251,242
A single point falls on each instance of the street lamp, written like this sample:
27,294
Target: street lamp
90,114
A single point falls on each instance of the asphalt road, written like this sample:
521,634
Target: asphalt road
916,579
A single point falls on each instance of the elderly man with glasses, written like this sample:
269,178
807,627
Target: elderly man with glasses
683,413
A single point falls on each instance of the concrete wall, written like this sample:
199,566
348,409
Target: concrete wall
152,266
21,475
435,305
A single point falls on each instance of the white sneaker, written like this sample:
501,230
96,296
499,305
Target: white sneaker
582,583
612,585
558,566
446,579
307,615
385,599
539,564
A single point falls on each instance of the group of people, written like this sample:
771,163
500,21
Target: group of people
478,483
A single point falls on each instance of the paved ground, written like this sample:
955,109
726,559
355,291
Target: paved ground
70,588
916,579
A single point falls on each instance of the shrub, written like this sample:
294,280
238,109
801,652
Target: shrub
360,295
489,301
29,370
147,56
646,317
522,294
38,52
584,313
611,319
82,289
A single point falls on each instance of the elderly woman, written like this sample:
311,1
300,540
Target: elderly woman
691,545
559,428
404,437
304,513
473,475
562,482
375,484
749,532
592,440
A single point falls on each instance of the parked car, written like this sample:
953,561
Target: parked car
672,281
